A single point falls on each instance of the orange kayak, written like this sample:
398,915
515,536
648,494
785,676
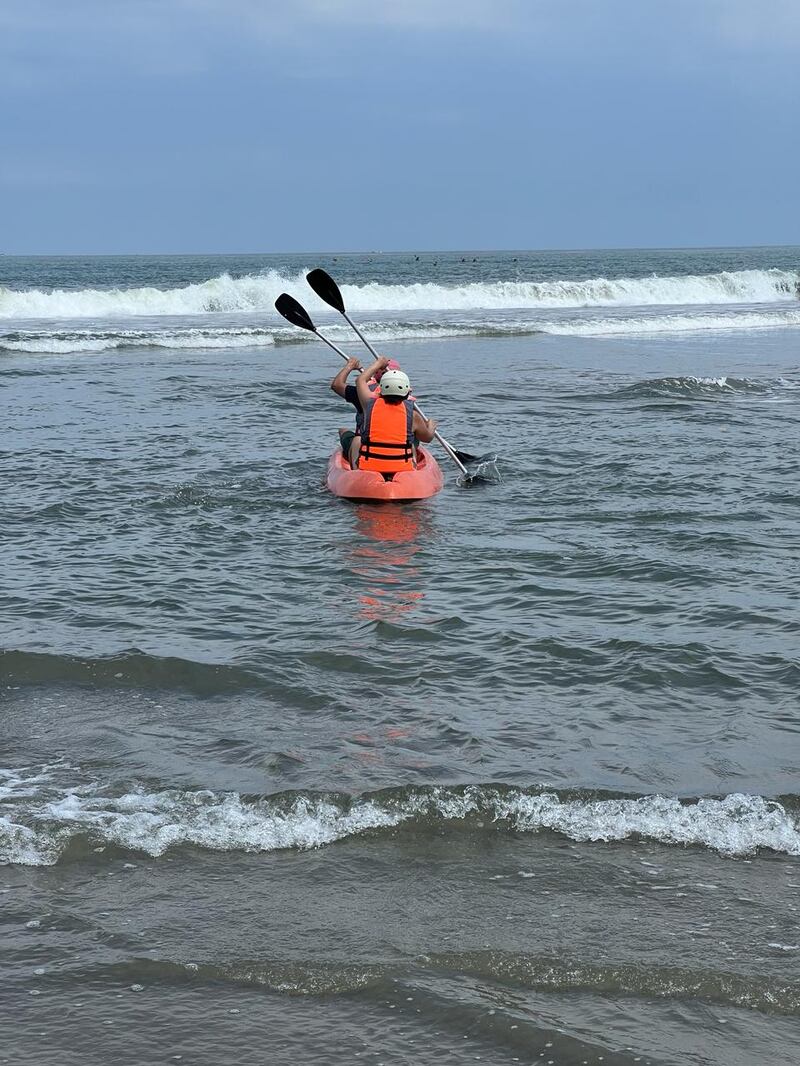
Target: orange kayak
426,480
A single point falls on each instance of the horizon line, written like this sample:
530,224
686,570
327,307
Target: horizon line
400,251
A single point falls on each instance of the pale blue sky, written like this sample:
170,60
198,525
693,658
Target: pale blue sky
252,125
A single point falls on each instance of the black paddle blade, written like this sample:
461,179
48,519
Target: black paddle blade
294,312
326,288
465,457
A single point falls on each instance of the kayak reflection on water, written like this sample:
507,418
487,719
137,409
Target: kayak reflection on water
386,542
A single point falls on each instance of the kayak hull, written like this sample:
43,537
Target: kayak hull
419,484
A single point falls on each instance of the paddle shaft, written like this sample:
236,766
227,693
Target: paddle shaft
330,344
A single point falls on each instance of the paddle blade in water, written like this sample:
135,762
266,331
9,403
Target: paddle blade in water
326,288
481,468
294,312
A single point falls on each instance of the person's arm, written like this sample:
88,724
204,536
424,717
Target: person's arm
365,376
423,428
340,381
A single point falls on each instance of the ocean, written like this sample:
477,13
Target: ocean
508,775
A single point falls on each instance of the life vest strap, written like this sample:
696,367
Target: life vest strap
397,445
375,449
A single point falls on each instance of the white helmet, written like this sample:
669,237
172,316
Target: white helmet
395,383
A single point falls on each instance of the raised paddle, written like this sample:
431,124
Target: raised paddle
327,289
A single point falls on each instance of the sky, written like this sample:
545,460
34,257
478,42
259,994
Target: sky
192,126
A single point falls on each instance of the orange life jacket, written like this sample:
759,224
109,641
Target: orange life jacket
387,440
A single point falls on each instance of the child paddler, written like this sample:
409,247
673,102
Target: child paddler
390,425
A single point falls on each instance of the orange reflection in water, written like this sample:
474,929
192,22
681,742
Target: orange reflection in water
389,536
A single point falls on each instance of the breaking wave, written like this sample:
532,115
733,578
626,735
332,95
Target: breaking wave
40,820
744,286
257,293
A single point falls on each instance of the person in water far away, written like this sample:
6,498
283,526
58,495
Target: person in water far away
390,424
351,440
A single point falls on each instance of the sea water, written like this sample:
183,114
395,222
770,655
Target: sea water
510,775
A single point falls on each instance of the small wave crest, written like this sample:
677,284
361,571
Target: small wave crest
698,322
63,342
131,668
42,819
702,388
520,969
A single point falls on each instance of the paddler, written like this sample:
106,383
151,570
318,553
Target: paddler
351,439
390,425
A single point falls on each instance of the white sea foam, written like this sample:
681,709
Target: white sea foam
734,825
36,832
675,323
63,343
257,293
